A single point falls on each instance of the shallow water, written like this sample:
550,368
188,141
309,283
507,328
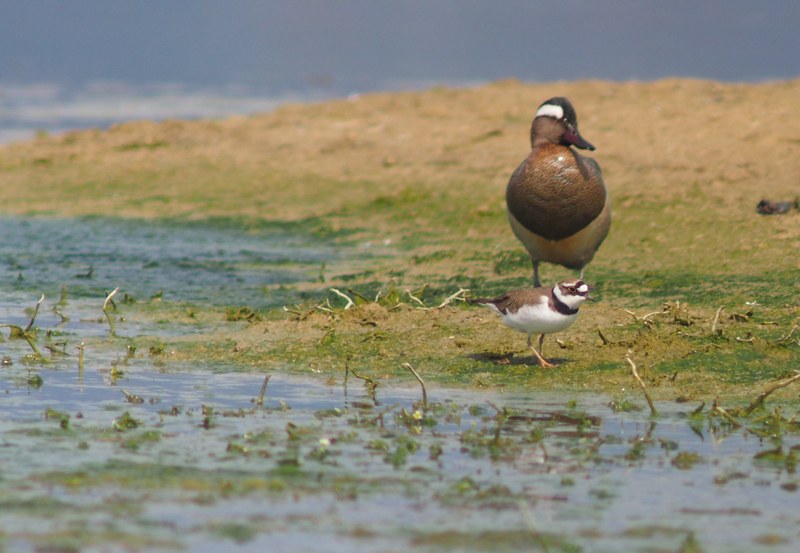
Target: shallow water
305,471
139,453
187,262
61,65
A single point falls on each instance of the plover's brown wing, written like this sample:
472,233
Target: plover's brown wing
498,303
512,301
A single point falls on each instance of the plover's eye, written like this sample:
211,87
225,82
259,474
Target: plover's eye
571,290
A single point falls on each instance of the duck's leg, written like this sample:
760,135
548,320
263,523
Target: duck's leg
536,281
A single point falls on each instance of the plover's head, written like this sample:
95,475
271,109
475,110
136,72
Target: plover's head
572,292
560,109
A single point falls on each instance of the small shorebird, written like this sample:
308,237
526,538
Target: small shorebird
541,310
558,206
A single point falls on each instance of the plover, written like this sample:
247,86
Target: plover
541,310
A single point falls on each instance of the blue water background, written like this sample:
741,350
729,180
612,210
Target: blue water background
90,63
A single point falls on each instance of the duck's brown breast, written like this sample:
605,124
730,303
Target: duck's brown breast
556,192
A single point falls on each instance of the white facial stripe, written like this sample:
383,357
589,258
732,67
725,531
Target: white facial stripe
583,289
552,110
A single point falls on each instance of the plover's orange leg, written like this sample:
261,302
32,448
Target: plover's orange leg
542,361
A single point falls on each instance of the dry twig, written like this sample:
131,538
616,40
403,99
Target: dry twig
421,383
788,336
416,299
370,384
350,302
17,331
645,320
641,384
715,322
260,401
35,312
459,295
771,388
715,408
106,313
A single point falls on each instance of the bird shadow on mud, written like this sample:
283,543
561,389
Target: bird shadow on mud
512,359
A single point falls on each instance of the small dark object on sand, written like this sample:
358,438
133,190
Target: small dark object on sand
767,207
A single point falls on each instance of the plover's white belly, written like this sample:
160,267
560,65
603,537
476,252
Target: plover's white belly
538,319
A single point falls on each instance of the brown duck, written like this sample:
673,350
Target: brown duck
558,206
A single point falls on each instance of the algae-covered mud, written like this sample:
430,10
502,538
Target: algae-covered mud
330,248
698,286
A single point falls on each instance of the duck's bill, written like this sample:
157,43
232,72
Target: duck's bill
574,137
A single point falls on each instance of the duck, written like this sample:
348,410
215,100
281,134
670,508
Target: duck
558,205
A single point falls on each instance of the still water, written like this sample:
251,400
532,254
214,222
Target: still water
222,264
90,63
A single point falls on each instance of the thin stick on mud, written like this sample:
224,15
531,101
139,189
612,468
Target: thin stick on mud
642,385
644,320
370,384
715,408
457,296
715,322
105,311
788,336
35,312
416,299
759,401
421,383
260,401
350,302
17,331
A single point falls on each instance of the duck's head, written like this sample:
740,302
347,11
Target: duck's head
557,122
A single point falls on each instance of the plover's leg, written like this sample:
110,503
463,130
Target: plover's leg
542,362
582,269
